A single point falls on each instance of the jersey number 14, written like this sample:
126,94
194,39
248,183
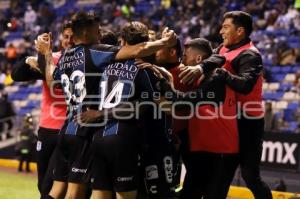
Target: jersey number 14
113,98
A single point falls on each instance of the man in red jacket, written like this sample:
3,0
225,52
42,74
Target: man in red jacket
243,74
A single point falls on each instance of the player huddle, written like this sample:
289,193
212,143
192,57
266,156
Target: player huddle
114,141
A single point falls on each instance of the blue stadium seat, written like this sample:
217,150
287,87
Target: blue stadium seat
69,5
277,96
23,90
285,86
293,39
157,2
267,62
234,6
14,35
17,96
273,96
292,126
275,69
286,69
294,44
30,89
289,115
36,89
295,69
33,104
278,77
21,96
171,11
278,33
12,97
267,96
24,111
293,105
142,7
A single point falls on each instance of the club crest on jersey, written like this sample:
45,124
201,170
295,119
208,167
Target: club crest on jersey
151,172
38,146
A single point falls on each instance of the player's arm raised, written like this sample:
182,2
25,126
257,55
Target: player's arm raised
210,92
190,74
43,45
26,70
147,48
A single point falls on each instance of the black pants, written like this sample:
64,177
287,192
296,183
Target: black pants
184,148
24,158
47,140
251,134
209,175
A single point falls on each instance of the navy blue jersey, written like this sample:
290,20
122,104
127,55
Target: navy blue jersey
122,82
79,71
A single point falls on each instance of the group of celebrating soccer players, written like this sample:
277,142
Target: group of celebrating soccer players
137,110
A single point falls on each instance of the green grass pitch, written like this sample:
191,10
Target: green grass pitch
14,185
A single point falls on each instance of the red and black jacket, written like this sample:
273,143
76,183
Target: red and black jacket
244,75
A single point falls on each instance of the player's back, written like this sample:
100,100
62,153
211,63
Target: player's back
79,71
124,82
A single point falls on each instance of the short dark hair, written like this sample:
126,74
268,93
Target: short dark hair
178,48
108,37
66,25
82,21
200,44
134,32
240,19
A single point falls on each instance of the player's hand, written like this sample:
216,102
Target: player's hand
170,37
44,37
160,72
221,72
43,43
190,74
88,116
32,62
163,73
181,66
164,32
141,64
42,46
